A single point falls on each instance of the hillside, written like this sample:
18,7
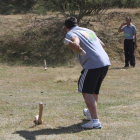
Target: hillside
29,39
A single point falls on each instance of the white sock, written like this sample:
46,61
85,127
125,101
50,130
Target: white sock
95,120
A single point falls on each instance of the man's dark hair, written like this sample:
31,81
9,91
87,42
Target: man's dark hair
128,18
70,22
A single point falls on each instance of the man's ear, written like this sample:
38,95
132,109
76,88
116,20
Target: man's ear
66,29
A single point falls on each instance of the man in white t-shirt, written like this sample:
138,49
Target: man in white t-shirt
95,65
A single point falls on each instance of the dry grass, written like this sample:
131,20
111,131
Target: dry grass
22,88
123,10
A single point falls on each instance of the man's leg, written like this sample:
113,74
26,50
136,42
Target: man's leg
131,54
126,53
92,84
95,97
91,104
92,107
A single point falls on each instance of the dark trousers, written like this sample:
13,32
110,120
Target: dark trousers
129,52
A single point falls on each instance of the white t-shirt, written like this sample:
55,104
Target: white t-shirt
95,57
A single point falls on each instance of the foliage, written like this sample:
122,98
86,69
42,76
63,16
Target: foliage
34,38
82,8
16,6
127,3
77,8
41,40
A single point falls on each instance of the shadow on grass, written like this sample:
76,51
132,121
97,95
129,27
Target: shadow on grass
117,68
31,135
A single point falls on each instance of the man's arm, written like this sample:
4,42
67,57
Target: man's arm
76,40
119,30
135,39
103,45
75,45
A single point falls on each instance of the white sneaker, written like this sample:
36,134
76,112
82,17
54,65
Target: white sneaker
92,125
87,114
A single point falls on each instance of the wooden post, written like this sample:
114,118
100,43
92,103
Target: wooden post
40,113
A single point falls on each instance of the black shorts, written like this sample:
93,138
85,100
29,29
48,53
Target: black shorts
90,80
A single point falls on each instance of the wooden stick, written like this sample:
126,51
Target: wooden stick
38,118
40,113
45,65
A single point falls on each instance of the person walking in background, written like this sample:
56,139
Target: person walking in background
95,65
130,41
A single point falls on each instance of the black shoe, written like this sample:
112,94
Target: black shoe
126,66
132,66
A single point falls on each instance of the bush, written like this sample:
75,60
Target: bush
37,43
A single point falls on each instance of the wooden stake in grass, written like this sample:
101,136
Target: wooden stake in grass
45,65
38,118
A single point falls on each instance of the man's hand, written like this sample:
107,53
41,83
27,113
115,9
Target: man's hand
75,39
135,48
119,30
103,45
76,47
124,23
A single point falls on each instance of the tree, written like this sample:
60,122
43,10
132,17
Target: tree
127,3
77,8
16,6
81,8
